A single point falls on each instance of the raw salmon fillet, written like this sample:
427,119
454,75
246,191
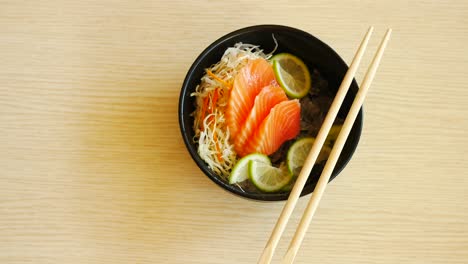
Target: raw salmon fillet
281,124
268,97
250,80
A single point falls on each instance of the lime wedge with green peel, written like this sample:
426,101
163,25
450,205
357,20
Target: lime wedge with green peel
240,172
333,135
268,178
298,152
292,74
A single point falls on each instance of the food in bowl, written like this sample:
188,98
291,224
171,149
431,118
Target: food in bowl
256,115
320,58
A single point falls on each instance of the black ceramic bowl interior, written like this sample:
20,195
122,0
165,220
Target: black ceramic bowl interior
315,53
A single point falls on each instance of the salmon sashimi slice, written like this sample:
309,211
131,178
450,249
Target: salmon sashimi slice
282,124
247,84
268,97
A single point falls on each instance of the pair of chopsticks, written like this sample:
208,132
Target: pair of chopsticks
295,244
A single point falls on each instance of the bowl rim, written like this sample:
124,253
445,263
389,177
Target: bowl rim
193,152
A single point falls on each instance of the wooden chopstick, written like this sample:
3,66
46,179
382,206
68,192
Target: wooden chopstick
334,154
278,230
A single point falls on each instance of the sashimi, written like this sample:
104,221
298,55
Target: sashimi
247,84
264,102
281,124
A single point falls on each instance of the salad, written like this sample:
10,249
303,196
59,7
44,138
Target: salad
256,116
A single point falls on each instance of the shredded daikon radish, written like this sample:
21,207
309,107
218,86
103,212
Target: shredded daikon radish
212,94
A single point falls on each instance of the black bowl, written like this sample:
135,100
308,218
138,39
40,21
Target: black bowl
315,53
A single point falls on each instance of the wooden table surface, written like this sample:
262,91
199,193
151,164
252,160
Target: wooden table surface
93,168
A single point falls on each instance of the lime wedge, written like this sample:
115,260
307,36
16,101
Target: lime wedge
240,172
292,74
298,152
268,178
332,135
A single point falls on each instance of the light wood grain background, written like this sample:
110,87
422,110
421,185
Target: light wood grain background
93,168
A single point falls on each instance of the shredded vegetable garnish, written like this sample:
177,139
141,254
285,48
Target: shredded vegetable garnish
211,97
